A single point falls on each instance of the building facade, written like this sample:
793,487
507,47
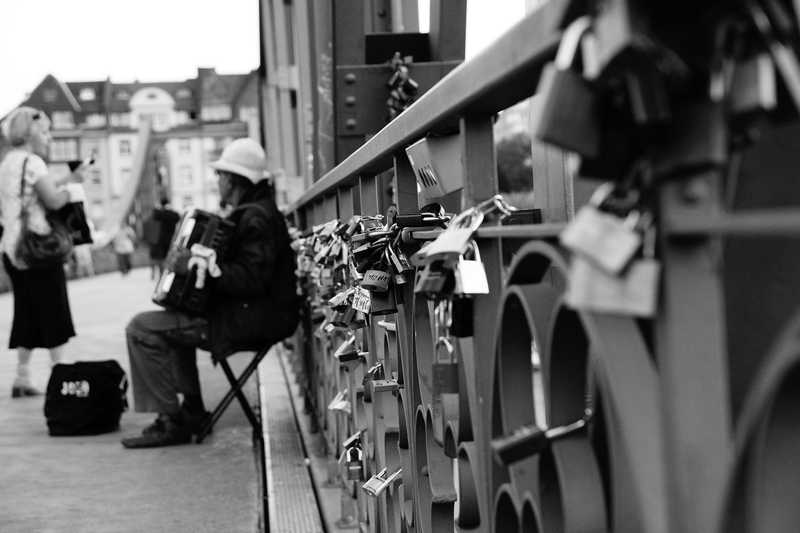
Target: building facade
155,139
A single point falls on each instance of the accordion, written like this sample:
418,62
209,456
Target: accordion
177,291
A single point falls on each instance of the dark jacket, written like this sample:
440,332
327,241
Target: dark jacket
254,301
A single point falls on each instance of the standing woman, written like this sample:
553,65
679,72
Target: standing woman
42,317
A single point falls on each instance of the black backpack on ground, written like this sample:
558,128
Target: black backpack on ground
85,398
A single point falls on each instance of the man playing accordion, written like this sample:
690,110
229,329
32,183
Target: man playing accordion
252,302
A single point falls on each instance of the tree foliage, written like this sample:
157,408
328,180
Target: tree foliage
514,170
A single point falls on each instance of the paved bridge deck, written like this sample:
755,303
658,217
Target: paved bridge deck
93,484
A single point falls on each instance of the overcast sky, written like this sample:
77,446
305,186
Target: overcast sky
156,40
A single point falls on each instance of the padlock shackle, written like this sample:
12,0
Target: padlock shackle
570,42
476,251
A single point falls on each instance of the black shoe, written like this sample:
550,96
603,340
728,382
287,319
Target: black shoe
195,421
166,431
22,391
157,426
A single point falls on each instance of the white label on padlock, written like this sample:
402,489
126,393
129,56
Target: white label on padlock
603,238
376,280
633,294
470,277
362,300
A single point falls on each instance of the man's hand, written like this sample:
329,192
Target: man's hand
178,261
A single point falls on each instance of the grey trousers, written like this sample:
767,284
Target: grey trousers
162,351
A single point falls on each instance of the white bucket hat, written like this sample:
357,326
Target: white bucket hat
244,157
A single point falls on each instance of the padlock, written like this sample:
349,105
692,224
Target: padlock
347,351
532,440
378,483
698,138
397,259
647,95
603,238
566,101
470,275
376,279
633,293
434,280
355,468
338,319
696,141
326,277
445,368
783,56
753,87
383,303
374,373
453,241
341,300
359,321
461,322
340,403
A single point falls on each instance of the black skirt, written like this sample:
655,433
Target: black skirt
42,318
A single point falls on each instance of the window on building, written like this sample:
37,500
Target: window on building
181,117
184,93
213,113
184,146
185,175
161,122
49,95
86,94
188,201
124,147
95,176
95,120
64,149
63,120
121,119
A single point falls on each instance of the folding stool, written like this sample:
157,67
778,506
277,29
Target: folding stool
236,386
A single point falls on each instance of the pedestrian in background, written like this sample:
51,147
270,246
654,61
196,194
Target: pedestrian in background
123,247
42,317
158,234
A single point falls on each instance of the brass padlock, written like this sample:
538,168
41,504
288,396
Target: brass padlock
566,103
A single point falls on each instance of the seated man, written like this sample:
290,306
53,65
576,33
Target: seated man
253,302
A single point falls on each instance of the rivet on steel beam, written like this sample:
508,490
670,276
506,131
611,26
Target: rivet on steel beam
696,189
350,101
350,123
350,78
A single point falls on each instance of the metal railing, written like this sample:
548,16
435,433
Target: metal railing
689,409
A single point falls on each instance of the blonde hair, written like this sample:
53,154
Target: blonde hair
19,124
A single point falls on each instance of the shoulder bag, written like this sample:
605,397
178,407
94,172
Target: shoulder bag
41,251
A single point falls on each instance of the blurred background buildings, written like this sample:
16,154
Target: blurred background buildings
153,140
